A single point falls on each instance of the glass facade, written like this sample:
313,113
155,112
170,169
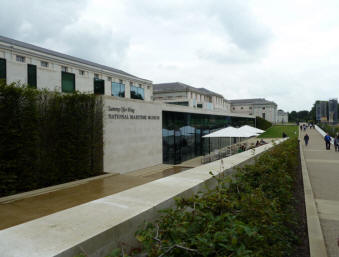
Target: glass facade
182,134
118,89
137,93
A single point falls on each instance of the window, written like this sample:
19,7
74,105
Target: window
131,83
81,72
20,58
3,69
120,81
31,76
118,89
67,82
263,115
263,108
44,64
64,69
109,78
250,107
96,76
99,86
199,105
137,93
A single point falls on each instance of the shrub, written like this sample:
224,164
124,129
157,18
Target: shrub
47,138
251,214
262,123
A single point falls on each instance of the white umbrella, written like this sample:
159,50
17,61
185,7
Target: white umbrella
251,129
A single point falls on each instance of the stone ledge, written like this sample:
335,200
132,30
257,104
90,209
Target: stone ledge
97,227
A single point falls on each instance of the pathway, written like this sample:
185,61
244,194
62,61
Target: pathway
323,169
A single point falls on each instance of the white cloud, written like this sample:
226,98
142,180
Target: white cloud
283,50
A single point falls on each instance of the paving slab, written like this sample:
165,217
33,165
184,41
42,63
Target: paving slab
323,170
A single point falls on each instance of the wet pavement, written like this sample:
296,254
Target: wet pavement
20,211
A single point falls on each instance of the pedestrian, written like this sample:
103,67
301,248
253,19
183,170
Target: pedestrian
336,143
327,139
306,139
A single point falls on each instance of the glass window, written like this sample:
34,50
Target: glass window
67,82
96,76
64,69
137,93
99,86
20,58
3,69
31,76
118,89
82,72
44,64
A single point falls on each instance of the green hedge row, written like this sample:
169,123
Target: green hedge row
48,138
330,129
262,123
251,214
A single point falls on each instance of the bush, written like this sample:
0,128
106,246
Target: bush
48,138
330,129
251,214
262,123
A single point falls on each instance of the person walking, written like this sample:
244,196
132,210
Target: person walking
327,139
336,143
306,139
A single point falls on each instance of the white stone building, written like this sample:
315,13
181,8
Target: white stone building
182,94
282,117
42,68
258,107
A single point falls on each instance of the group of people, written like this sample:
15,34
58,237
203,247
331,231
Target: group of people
305,126
327,139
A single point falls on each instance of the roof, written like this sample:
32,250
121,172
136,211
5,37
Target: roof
252,101
61,55
179,87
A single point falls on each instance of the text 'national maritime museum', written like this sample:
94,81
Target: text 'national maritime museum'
144,124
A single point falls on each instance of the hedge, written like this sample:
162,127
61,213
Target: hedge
251,214
48,138
262,123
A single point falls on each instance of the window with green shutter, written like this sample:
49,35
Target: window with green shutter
67,82
31,76
99,86
3,69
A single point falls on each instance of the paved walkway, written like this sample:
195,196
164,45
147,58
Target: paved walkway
323,168
26,209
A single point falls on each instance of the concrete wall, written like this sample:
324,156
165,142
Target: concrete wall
131,142
97,227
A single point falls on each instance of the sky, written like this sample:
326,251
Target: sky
286,51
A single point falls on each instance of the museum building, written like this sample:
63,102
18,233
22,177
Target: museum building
138,132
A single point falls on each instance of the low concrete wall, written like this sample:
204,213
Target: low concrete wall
323,133
97,227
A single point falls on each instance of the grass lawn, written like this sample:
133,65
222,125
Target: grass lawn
277,131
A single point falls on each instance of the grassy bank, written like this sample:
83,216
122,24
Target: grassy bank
278,130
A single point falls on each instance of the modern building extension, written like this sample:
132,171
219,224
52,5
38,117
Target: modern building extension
42,68
327,111
182,94
257,107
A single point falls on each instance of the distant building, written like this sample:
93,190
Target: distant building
43,68
327,111
181,94
333,111
282,117
257,107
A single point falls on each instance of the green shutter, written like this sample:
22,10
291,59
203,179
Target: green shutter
99,86
31,76
67,82
3,69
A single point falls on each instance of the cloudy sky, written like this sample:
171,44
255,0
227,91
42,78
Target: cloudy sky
283,50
